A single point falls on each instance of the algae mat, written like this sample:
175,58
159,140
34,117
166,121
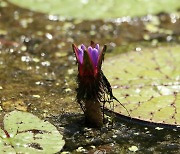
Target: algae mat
147,83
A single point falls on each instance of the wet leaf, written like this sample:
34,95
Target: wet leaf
147,83
29,134
102,9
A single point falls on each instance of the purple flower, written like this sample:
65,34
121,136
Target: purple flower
89,59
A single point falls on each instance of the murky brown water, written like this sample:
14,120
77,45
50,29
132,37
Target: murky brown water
38,75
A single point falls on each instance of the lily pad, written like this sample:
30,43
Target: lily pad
101,9
147,83
25,133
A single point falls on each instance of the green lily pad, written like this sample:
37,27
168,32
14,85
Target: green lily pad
99,9
147,83
28,134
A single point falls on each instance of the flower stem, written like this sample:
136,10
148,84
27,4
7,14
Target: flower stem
93,113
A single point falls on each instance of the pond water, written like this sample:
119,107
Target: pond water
38,74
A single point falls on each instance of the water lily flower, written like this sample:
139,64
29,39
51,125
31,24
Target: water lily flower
89,59
93,86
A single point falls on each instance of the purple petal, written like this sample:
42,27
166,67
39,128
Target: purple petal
90,49
83,47
95,56
97,47
80,55
93,52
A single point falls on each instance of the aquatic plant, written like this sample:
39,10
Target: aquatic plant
23,132
148,83
93,90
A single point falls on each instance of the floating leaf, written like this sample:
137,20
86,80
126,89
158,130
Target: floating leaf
28,134
101,9
147,83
